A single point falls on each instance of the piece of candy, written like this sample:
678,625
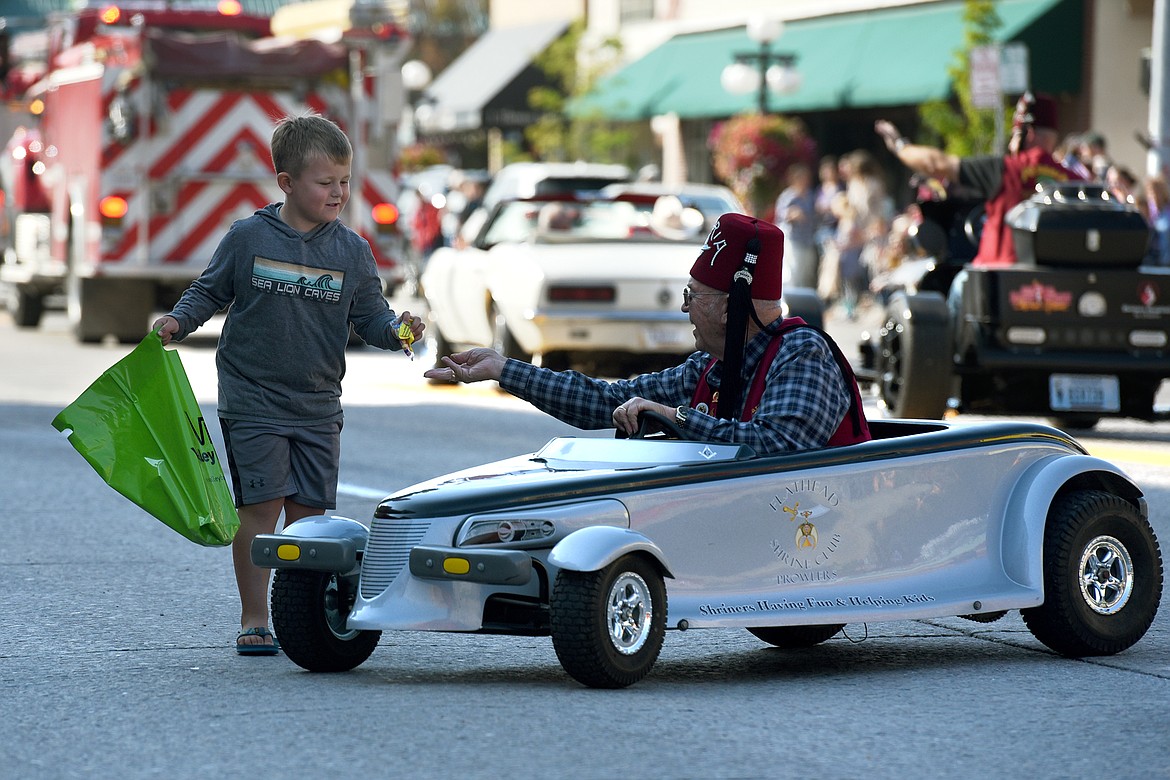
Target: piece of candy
406,336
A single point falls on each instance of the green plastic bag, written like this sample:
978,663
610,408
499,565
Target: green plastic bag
140,427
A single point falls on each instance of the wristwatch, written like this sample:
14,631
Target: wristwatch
680,415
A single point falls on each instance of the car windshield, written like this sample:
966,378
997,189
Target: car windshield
574,222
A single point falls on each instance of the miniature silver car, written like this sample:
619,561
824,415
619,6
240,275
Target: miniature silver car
605,544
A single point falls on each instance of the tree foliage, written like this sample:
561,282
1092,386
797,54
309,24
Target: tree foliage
556,136
958,126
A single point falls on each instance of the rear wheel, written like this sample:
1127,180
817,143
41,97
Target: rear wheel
1075,422
608,626
439,348
1102,576
795,637
309,611
914,357
502,339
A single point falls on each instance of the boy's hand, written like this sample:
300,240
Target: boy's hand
408,328
167,326
417,326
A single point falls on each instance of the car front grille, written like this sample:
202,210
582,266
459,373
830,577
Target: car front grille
388,551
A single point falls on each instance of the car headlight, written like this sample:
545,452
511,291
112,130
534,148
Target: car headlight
540,527
508,530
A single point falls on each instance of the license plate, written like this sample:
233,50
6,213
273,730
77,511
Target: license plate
662,337
1084,393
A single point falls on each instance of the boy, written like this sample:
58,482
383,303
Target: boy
295,278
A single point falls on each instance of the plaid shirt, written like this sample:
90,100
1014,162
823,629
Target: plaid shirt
805,395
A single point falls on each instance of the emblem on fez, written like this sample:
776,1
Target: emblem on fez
712,243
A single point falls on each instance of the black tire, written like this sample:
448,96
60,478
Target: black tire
914,363
1075,422
308,614
1102,576
439,347
27,307
502,339
608,626
806,304
795,637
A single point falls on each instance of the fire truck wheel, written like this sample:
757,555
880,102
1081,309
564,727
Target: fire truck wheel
117,307
27,307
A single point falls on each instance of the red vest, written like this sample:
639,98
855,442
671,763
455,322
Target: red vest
1021,173
853,428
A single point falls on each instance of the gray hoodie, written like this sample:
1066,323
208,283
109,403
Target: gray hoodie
281,354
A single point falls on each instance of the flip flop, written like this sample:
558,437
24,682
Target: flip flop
253,649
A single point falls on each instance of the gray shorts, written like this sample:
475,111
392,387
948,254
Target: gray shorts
268,461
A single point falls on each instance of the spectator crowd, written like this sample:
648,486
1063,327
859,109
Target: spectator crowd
845,237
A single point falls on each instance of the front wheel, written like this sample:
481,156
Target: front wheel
608,626
795,637
1102,576
309,610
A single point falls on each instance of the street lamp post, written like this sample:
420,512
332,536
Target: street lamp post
765,70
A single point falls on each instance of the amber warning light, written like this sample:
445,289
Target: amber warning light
230,7
112,208
111,14
385,216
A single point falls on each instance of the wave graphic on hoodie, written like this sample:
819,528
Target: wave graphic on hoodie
296,281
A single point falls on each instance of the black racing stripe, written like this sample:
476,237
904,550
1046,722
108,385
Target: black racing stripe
893,440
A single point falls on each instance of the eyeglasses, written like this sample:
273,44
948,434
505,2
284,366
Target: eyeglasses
688,294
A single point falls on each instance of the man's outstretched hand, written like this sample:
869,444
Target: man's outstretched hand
474,365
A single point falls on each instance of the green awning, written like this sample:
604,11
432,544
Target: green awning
893,56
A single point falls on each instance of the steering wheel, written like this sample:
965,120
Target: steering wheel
650,423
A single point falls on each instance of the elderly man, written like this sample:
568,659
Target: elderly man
774,384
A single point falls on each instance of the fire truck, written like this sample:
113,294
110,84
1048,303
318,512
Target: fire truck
150,137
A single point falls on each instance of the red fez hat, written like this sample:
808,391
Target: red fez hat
1035,110
722,255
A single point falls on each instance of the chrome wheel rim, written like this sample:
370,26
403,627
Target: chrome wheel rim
1106,575
630,613
336,612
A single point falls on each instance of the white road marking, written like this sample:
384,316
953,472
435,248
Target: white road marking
362,492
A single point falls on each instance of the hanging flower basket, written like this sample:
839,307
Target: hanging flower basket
751,154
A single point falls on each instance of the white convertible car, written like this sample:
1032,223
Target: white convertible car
589,282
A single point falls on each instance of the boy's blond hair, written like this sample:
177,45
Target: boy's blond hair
297,140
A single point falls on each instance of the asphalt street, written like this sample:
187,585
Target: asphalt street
117,660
